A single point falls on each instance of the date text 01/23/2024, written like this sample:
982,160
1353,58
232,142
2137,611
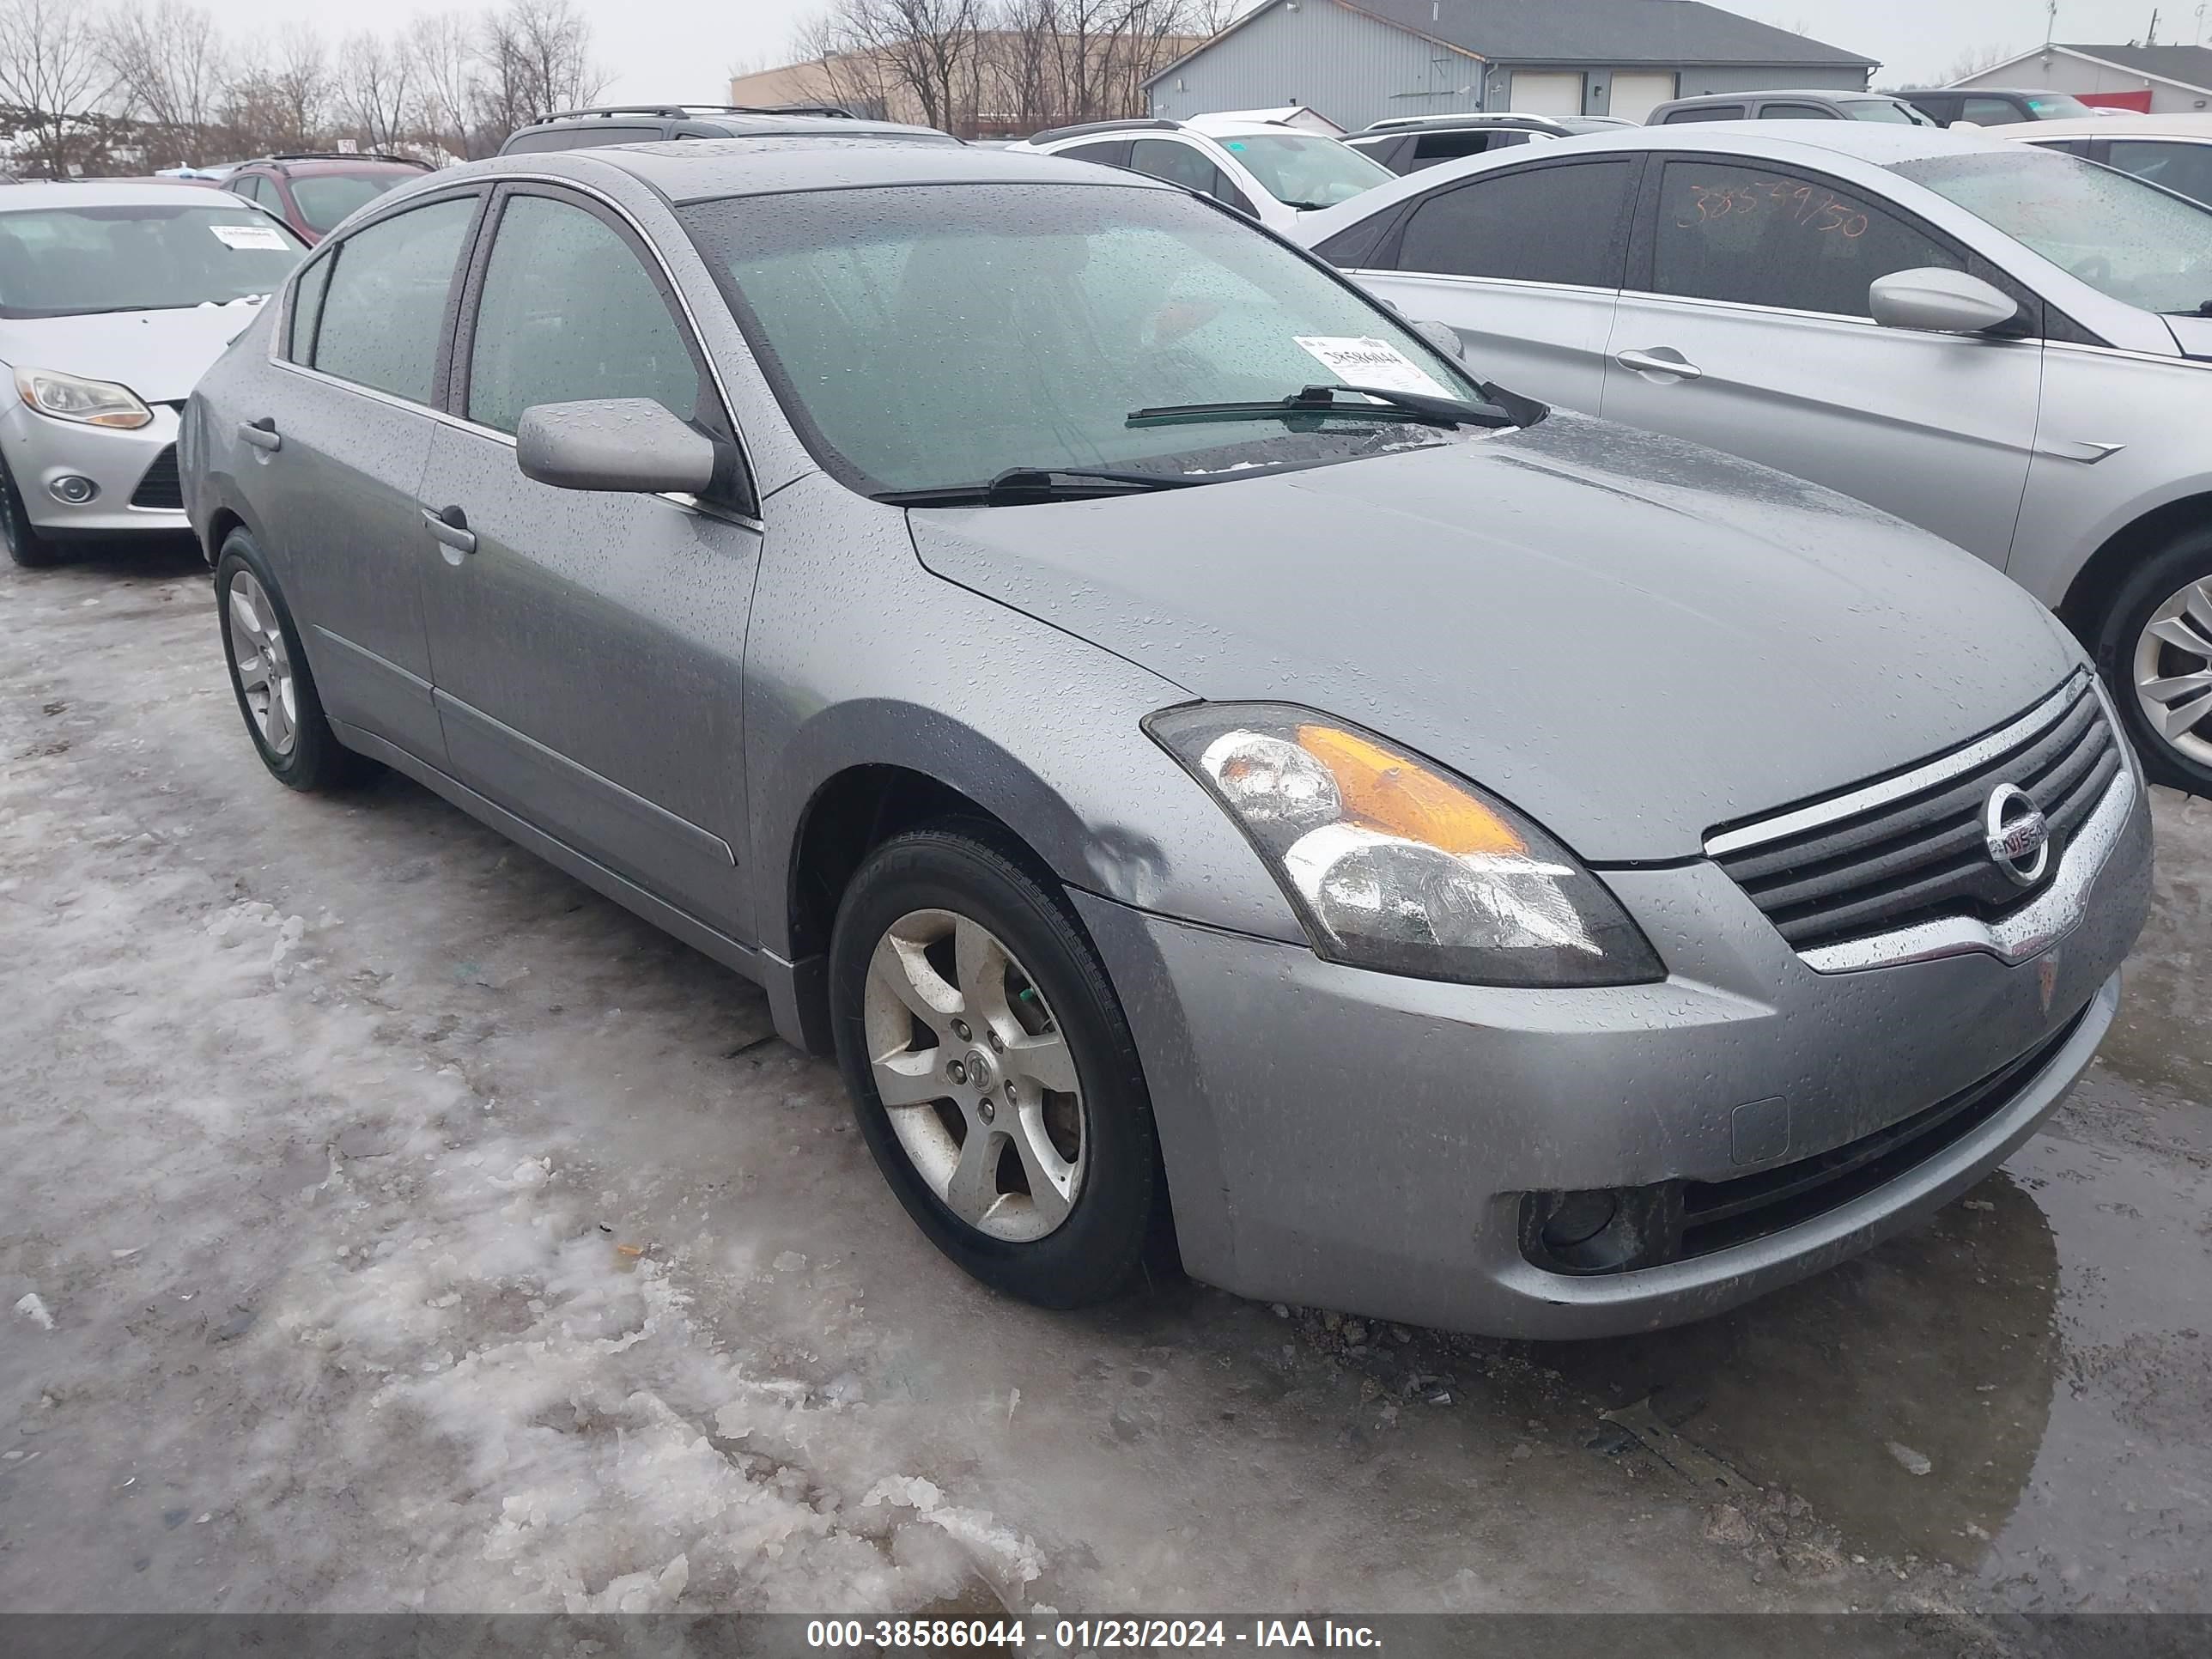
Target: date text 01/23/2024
1088,1634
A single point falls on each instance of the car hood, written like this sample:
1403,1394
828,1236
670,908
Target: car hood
1631,638
159,354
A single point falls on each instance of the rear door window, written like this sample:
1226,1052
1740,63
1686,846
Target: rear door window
1535,224
1110,152
1795,113
383,310
1766,237
2184,168
1432,148
1705,112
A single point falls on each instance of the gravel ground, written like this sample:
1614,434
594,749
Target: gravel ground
388,1222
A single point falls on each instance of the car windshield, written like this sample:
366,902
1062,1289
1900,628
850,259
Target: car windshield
1881,109
1303,170
2130,241
324,198
935,337
94,257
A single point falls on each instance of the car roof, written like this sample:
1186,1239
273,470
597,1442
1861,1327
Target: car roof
1982,92
335,163
707,169
1824,95
739,125
121,192
2190,126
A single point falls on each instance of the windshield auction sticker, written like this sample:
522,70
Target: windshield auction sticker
1377,364
250,236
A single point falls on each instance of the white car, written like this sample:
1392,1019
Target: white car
2011,348
2172,151
114,298
1265,169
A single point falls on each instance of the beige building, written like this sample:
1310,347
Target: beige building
1002,85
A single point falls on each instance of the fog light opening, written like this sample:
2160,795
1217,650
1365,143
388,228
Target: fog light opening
1578,1218
72,489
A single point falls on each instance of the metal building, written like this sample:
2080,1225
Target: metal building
1359,63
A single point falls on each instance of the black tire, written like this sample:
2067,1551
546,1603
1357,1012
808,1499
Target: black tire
317,761
25,545
2187,558
1119,1228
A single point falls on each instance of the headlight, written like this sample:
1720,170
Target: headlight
1397,866
89,403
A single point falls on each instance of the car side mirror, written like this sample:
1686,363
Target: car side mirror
625,445
1939,301
1442,335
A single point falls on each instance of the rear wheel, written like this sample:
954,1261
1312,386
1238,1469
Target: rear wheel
270,675
25,545
991,1070
2155,651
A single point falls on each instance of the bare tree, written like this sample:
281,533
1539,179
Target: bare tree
51,73
920,54
535,58
166,65
442,53
299,87
374,89
1972,61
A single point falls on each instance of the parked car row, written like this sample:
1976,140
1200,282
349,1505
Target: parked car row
2006,345
1230,777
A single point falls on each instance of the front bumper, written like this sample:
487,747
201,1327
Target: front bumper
40,449
1361,1141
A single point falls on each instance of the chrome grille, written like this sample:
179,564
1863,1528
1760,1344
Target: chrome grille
1911,849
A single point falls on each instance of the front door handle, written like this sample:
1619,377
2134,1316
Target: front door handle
1660,360
451,526
261,434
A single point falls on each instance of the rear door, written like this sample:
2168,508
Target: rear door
1746,325
1525,264
587,646
342,457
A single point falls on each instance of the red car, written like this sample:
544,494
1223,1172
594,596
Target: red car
311,192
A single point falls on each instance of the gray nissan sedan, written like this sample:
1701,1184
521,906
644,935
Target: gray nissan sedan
1228,783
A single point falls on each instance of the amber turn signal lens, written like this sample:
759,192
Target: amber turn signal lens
1385,791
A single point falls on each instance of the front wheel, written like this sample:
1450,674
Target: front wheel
270,677
991,1070
2155,651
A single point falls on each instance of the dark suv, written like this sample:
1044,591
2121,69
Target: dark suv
646,124
1993,106
311,191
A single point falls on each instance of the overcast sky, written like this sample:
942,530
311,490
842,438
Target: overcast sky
682,49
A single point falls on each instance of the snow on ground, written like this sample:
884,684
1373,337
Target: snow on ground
386,1222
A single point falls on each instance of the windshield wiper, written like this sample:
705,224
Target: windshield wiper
1502,408
1018,484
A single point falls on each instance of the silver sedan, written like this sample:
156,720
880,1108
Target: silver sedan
2009,347
1228,784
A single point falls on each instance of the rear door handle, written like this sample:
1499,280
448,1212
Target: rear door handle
1660,360
451,526
261,434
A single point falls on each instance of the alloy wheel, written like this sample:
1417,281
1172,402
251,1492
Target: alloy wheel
264,666
976,1076
2173,671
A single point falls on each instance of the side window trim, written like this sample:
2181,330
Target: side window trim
1386,251
1643,251
737,493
